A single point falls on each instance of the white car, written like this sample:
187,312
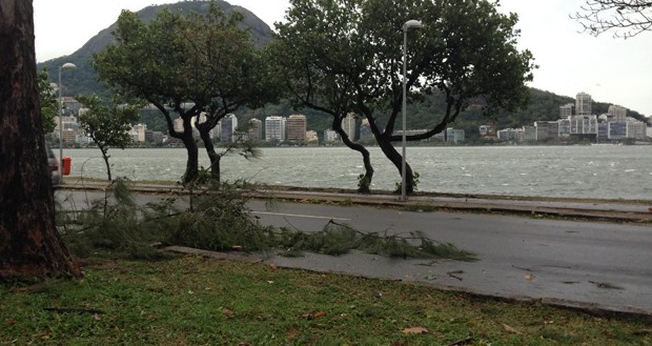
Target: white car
53,165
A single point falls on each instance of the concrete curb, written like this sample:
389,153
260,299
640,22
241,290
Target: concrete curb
613,211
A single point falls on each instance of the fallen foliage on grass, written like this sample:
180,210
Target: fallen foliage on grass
194,300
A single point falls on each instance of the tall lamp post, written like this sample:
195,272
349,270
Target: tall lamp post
66,66
408,25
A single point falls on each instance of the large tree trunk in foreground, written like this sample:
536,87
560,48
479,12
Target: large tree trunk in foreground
30,246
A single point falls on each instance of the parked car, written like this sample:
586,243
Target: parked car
53,165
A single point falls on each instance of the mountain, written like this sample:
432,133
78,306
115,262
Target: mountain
543,105
83,79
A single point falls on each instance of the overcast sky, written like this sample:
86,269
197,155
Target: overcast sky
611,70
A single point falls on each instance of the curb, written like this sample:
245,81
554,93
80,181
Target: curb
463,204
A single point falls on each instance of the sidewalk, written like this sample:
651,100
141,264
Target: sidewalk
623,211
616,210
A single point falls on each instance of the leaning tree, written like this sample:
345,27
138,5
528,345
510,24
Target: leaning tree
224,57
345,56
30,246
625,18
197,67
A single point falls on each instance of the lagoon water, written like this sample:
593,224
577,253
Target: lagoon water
599,171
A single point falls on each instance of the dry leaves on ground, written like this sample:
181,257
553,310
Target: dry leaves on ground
313,315
415,330
510,329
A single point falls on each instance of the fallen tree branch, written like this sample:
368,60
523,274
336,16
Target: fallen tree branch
77,310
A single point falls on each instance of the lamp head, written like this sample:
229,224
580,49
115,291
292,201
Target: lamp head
68,66
412,24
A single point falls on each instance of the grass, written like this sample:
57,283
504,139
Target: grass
192,300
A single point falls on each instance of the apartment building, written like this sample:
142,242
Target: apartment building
275,128
229,124
297,126
583,104
255,130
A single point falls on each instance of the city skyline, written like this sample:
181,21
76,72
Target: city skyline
578,120
575,119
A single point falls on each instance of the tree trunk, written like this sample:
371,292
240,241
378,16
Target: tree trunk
390,152
30,246
396,158
213,156
192,165
105,156
364,183
186,137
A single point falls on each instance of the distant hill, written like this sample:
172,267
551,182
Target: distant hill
543,105
83,79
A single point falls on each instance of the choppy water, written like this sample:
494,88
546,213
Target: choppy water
603,171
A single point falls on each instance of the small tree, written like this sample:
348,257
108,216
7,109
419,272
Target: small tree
107,124
626,18
48,101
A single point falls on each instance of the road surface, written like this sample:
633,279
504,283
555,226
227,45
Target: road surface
604,266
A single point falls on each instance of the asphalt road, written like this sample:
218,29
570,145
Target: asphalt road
605,266
601,265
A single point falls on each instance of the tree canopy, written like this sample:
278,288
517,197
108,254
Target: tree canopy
186,65
341,56
625,18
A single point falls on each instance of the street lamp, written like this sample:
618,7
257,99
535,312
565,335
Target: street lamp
408,25
66,66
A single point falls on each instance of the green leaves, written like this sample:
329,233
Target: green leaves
189,64
465,50
108,124
48,101
341,56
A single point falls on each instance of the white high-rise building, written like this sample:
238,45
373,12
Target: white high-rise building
617,113
275,128
636,129
583,104
583,124
228,126
349,126
138,133
178,124
331,136
566,110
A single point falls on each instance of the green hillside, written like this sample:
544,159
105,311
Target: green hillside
83,79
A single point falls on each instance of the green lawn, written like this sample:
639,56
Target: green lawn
192,300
